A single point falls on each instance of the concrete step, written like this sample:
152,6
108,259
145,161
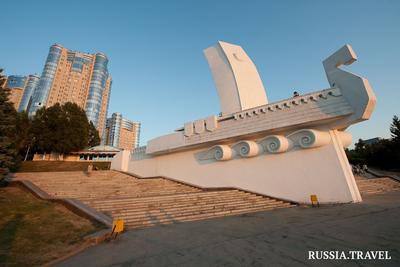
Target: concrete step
167,198
201,216
377,186
183,206
205,207
127,207
191,200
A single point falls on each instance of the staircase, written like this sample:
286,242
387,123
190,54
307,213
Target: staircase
102,185
148,202
376,185
148,211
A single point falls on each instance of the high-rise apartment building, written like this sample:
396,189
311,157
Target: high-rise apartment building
16,84
81,78
21,89
31,83
122,133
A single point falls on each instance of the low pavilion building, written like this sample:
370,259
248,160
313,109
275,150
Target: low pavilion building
96,153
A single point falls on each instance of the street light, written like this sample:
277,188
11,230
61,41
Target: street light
29,146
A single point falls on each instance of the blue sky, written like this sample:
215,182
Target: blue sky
160,76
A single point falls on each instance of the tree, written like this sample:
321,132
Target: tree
94,138
60,128
395,129
359,146
384,154
23,136
8,152
40,132
76,128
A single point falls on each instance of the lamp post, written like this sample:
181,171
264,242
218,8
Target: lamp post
29,146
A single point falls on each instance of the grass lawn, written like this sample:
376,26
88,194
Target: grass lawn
60,166
34,231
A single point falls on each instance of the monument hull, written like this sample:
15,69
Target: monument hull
289,149
323,171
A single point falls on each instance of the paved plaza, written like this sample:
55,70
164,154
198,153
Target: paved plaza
272,238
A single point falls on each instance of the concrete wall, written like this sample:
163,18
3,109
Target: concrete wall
293,175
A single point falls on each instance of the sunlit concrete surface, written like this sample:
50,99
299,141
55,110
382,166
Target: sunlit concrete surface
277,238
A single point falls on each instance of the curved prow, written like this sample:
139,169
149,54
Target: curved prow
354,88
344,56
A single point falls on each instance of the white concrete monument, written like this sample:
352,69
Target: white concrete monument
289,149
238,83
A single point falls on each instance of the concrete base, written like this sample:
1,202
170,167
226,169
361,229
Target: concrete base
294,175
278,238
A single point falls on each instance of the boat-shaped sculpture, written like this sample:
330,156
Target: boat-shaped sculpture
289,149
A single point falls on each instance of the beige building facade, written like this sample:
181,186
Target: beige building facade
16,96
17,84
122,133
76,77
